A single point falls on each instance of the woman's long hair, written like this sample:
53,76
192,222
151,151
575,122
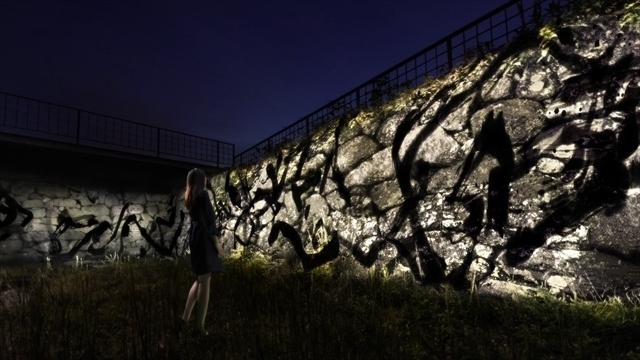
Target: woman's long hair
195,184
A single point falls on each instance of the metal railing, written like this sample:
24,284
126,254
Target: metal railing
484,34
24,116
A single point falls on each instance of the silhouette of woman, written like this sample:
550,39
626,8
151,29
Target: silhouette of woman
204,245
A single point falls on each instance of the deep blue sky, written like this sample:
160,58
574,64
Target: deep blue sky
236,71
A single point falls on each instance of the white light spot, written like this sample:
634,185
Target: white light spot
537,86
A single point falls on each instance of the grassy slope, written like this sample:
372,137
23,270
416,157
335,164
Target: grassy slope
263,310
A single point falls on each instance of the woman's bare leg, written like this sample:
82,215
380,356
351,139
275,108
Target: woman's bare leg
203,299
191,300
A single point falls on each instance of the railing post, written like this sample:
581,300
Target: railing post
521,9
218,154
307,123
158,144
78,129
26,125
449,53
6,104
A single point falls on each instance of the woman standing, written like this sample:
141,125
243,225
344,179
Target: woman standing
204,246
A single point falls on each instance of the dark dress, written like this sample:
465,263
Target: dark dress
204,256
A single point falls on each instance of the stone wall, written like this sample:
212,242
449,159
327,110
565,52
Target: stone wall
517,171
39,220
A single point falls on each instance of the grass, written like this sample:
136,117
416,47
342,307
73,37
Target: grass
262,310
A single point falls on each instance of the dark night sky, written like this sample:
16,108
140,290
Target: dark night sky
236,71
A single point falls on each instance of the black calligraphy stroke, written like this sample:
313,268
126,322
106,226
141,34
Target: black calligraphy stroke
309,261
605,191
159,248
66,222
601,180
11,211
172,214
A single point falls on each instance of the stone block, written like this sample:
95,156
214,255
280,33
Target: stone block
21,189
329,185
105,218
36,237
72,235
388,128
38,213
96,210
83,230
35,196
315,164
478,269
429,109
64,203
152,210
162,209
135,198
97,195
523,119
538,82
378,168
166,198
39,227
318,209
500,85
11,246
288,212
457,119
111,200
437,148
549,166
387,221
32,204
352,129
76,213
135,209
115,211
20,199
483,251
156,197
84,201
49,221
43,247
335,201
387,195
53,191
145,220
355,151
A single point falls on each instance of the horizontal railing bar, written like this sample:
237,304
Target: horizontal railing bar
111,117
399,64
420,64
195,136
108,132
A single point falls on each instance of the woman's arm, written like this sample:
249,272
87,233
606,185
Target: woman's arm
216,242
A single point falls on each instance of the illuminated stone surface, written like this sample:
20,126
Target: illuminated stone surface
520,172
528,179
59,222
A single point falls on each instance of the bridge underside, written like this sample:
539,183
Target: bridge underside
38,160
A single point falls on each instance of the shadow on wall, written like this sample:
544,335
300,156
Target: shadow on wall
500,160
64,222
